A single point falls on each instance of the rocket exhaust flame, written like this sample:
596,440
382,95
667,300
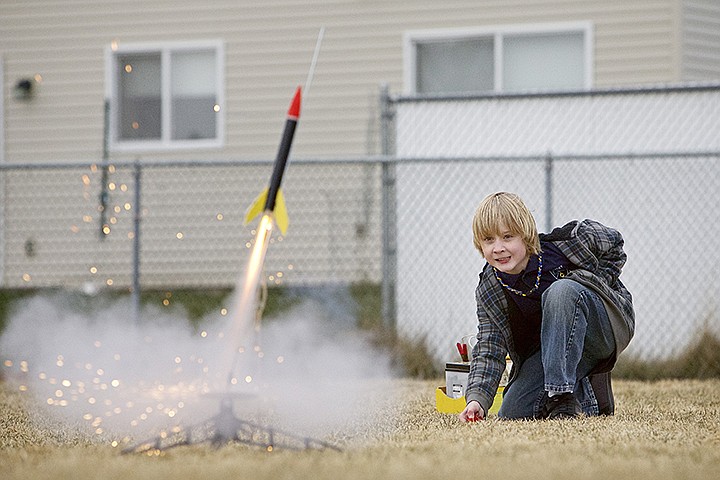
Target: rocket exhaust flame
244,321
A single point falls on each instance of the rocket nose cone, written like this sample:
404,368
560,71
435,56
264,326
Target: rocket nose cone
294,110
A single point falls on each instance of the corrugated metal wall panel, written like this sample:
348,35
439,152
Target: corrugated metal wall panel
701,40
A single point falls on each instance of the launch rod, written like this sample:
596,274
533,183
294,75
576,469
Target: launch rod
313,62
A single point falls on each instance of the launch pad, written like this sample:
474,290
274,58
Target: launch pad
226,428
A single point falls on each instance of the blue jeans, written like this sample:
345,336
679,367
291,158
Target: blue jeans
575,337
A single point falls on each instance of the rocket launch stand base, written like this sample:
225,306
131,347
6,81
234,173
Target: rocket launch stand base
225,428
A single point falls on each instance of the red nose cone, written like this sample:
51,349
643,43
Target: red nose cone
294,110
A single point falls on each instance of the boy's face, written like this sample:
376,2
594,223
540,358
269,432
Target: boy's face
505,251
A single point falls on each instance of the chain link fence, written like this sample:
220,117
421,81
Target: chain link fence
181,225
646,162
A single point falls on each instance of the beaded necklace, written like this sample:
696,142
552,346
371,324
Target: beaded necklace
518,292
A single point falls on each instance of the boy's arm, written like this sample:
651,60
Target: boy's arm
487,363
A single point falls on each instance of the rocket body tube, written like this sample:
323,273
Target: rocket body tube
271,199
280,163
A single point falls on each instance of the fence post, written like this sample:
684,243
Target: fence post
136,291
104,180
3,255
548,192
389,252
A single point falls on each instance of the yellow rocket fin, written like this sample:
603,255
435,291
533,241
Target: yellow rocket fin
280,213
257,206
281,216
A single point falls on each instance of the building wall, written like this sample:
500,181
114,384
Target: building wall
701,40
268,48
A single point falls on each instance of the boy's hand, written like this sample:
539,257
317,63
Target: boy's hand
472,413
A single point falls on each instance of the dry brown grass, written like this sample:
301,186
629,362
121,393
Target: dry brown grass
662,430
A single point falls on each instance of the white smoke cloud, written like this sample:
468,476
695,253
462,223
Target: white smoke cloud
307,370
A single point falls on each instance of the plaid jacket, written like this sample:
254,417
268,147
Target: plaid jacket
597,252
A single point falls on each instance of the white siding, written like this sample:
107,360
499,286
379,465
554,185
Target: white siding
268,50
701,40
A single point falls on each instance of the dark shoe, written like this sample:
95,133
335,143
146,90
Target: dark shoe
602,387
564,405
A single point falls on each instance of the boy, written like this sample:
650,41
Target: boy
554,303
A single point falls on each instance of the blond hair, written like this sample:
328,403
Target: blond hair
508,209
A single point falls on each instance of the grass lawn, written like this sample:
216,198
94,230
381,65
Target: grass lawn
662,430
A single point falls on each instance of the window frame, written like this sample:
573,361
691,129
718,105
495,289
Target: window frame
165,142
497,34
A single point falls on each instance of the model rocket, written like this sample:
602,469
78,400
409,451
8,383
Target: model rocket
271,201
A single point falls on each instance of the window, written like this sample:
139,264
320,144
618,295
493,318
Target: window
166,96
503,59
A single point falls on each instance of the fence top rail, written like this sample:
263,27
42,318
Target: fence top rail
156,163
640,90
560,157
376,159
